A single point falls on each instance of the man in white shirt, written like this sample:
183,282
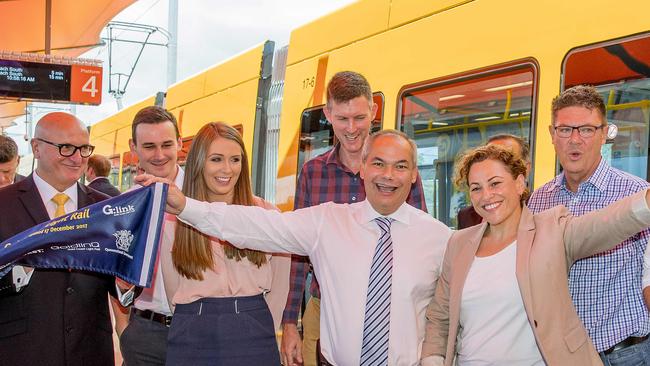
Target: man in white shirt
156,141
47,316
346,244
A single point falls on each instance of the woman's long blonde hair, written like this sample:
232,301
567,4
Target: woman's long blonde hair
192,251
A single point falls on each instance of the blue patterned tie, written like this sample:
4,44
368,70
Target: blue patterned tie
376,324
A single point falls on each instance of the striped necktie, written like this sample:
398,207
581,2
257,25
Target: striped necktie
376,324
60,199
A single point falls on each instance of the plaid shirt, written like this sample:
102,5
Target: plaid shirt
325,179
606,288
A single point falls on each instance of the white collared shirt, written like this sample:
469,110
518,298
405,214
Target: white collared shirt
154,298
21,276
340,240
48,192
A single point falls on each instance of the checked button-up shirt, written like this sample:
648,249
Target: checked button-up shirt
605,288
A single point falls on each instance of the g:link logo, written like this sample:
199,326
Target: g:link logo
118,210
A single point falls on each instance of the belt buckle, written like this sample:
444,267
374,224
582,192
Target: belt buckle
168,321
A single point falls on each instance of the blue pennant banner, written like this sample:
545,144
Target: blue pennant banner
118,237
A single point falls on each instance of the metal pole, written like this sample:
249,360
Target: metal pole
172,27
48,26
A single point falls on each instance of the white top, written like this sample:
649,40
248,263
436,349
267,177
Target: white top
154,298
494,328
340,240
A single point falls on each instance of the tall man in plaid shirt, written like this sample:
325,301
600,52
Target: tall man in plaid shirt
332,176
606,288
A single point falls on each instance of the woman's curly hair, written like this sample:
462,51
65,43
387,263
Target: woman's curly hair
514,164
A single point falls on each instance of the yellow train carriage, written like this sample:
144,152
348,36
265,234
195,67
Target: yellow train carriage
449,73
452,73
225,92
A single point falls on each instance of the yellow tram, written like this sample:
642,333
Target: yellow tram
450,73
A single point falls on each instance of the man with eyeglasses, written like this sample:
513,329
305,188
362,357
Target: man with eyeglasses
53,317
606,288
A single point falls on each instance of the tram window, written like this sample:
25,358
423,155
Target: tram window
185,149
447,117
620,71
114,175
317,135
129,170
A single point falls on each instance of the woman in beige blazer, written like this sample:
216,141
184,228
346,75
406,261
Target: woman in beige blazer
503,297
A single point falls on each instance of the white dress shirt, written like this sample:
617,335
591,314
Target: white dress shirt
48,192
154,298
340,240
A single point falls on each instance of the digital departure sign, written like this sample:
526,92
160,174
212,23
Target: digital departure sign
51,82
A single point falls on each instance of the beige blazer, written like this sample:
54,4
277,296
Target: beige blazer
547,245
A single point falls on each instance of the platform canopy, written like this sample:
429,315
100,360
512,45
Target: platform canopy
75,27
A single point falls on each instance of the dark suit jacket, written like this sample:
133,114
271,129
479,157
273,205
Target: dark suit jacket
18,178
468,217
61,317
103,185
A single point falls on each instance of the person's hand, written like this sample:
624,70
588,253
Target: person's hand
291,347
175,198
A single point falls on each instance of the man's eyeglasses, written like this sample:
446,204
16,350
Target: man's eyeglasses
585,131
68,150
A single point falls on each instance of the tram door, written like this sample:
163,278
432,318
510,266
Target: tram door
620,71
446,118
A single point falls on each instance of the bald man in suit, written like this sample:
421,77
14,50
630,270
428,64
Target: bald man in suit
53,317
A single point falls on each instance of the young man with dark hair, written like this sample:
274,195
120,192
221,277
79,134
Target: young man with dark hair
99,167
156,141
9,161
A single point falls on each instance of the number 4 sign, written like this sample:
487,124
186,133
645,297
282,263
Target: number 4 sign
86,84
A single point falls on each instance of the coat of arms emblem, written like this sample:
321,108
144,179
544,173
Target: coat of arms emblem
123,239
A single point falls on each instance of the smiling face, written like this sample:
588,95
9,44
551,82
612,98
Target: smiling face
157,148
494,193
59,128
388,173
222,168
351,122
579,156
